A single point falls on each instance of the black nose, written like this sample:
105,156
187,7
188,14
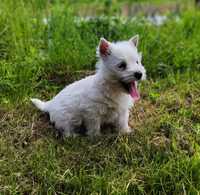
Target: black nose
138,75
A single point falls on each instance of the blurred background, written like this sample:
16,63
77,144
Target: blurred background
47,39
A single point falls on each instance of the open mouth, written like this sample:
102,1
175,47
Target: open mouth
131,88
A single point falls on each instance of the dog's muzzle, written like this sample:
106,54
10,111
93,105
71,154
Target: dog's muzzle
130,84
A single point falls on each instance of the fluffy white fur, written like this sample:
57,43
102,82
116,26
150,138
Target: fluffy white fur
101,98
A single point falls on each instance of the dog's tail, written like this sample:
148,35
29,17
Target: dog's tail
40,104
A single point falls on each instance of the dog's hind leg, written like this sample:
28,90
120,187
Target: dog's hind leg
65,128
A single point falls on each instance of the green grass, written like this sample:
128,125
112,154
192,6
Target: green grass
162,156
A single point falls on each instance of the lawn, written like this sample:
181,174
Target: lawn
46,45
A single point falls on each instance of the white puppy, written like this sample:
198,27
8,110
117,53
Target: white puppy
103,98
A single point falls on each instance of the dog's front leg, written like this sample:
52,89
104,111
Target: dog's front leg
123,126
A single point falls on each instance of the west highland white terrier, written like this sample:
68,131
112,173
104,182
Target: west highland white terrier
103,98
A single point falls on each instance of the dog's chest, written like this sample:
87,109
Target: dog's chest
114,107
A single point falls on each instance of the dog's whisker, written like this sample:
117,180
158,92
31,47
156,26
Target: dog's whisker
128,79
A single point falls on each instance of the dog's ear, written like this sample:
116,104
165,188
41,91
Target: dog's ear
135,40
104,47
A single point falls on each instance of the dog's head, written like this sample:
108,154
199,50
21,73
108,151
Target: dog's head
122,62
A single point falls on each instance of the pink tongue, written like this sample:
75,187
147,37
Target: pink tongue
134,92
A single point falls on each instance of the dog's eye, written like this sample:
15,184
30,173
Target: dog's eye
137,62
122,66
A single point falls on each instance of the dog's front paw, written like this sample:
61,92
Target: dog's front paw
126,131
